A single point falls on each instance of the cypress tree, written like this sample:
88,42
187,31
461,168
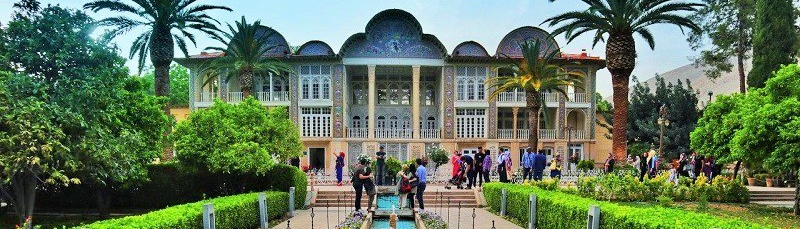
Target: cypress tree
775,39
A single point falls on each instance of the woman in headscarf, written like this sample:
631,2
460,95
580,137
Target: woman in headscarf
339,167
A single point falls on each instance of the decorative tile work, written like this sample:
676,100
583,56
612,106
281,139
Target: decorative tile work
562,116
393,35
293,103
192,83
275,40
338,100
492,122
593,96
470,48
315,48
449,104
509,46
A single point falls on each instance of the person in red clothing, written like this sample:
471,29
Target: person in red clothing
455,160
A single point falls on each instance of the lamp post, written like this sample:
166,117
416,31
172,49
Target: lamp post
662,122
568,129
710,93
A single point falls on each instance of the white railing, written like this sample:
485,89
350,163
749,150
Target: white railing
393,133
522,133
578,97
551,97
511,97
277,96
429,133
547,134
207,97
505,134
357,133
578,134
235,97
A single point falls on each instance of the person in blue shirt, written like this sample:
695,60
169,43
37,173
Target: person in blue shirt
539,162
422,175
527,165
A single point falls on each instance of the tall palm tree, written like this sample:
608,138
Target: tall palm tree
538,71
166,23
619,20
245,55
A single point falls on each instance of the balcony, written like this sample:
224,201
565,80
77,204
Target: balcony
206,99
578,98
275,96
518,98
235,97
429,134
393,133
544,134
505,134
357,133
578,135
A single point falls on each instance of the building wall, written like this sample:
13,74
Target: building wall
180,113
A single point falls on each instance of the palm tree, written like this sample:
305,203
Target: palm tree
535,74
245,55
620,19
166,23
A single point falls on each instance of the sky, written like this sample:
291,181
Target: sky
453,22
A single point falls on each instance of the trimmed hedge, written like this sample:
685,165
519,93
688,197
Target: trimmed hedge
562,210
234,212
172,184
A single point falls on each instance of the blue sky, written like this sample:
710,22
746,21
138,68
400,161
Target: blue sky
451,21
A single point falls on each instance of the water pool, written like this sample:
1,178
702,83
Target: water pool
385,202
383,223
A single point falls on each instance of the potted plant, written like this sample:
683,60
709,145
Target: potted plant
751,181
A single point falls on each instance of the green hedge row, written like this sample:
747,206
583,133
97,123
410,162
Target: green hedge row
172,184
561,210
232,212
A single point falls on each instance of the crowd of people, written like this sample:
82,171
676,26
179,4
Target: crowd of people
413,179
685,166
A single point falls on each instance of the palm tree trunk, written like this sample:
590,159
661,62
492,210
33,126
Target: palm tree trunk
533,105
161,54
246,82
621,59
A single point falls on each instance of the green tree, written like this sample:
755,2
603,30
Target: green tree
620,20
166,24
644,112
728,26
535,74
775,39
178,83
242,138
605,110
246,56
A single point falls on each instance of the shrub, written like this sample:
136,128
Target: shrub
561,210
438,156
236,212
432,220
585,165
627,187
353,221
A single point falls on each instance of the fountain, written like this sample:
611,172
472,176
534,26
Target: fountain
387,216
393,218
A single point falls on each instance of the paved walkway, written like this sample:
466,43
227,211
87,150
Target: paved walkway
483,219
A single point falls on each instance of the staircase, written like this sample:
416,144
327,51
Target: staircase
433,198
771,195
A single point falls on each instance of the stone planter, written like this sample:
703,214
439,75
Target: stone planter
771,182
751,181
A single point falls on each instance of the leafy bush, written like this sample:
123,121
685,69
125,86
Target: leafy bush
236,212
561,210
438,155
432,220
627,187
586,165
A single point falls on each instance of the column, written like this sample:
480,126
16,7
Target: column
415,101
515,112
371,103
194,90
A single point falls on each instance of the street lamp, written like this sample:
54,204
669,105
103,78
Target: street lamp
710,93
663,122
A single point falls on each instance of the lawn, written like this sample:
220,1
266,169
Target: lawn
779,217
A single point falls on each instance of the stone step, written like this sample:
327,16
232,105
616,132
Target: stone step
429,206
771,198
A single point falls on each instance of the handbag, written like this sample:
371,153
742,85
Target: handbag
405,186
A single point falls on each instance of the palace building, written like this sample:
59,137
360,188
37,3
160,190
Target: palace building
395,86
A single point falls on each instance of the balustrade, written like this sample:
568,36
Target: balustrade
207,97
277,96
235,97
505,134
393,133
578,97
429,133
357,133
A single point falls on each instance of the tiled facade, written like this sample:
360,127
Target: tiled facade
397,87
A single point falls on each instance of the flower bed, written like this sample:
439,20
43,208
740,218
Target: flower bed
562,210
232,212
353,221
432,220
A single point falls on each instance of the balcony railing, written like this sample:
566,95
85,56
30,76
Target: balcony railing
547,134
578,97
505,134
578,134
277,96
207,97
235,97
522,133
429,133
357,133
393,133
519,97
551,97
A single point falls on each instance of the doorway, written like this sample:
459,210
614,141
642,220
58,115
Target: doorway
316,158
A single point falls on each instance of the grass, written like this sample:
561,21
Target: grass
779,217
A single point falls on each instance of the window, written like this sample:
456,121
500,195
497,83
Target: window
316,82
470,83
359,95
430,123
315,122
471,123
356,122
381,122
430,95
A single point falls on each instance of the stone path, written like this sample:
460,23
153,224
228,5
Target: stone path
483,219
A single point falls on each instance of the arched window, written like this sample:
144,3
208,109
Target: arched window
306,88
366,121
394,94
430,123
406,122
430,95
356,122
383,94
358,95
315,89
381,122
470,89
405,94
462,87
480,89
326,88
393,122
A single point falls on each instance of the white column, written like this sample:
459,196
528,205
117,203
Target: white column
270,88
371,103
515,112
415,101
